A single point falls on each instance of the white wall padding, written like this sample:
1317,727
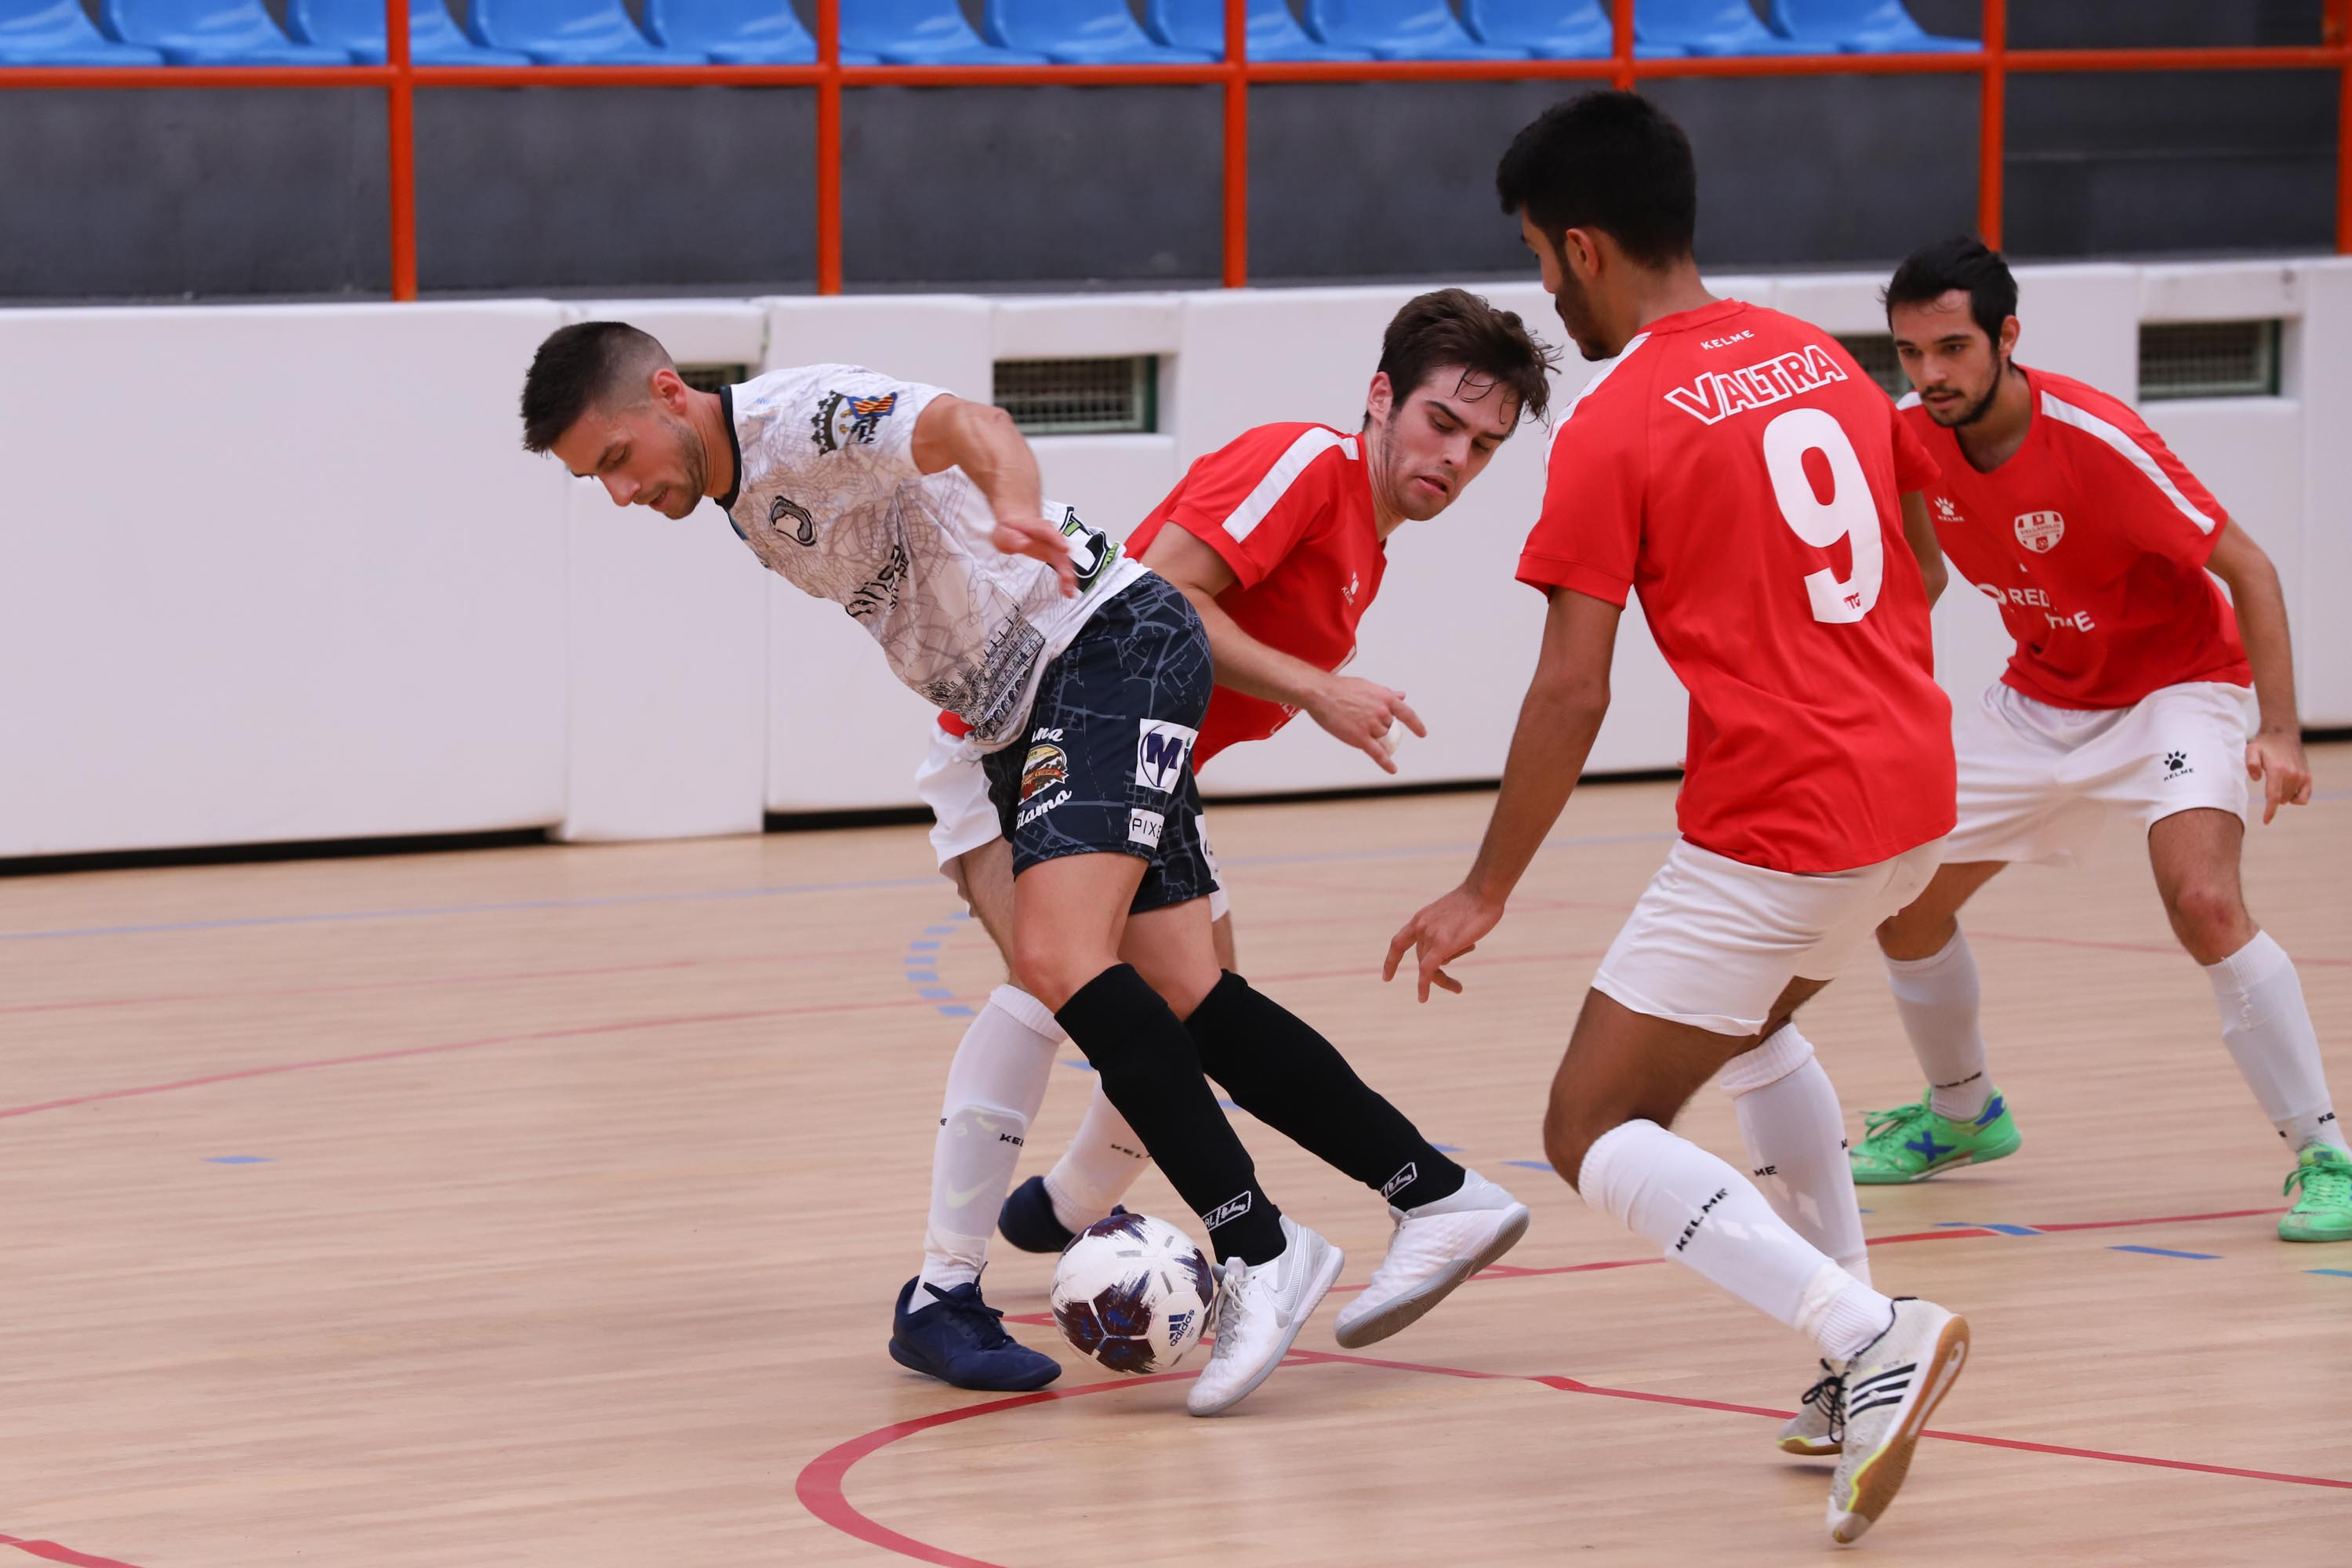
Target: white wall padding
276,572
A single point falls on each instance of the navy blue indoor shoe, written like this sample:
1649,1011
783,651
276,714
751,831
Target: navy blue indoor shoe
956,1339
1028,1222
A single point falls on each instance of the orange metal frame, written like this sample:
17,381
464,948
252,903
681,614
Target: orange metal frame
400,79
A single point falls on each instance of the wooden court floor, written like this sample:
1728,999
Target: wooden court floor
546,1205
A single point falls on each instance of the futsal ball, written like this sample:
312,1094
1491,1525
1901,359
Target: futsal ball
1132,1292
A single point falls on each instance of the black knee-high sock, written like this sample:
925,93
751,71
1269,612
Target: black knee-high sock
1152,1071
1281,1071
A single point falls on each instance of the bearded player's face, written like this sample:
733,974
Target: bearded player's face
643,452
1439,438
1952,364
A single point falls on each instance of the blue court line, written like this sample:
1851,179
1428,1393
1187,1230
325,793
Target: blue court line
956,1012
773,891
2001,1229
1447,1148
2340,1273
2168,1252
237,1159
932,993
931,974
1082,1066
1531,1165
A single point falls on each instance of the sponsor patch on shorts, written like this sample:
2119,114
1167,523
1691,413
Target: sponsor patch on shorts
1159,753
1143,827
1045,767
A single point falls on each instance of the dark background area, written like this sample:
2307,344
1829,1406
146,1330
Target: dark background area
224,194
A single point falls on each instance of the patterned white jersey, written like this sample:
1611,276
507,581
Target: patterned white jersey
827,495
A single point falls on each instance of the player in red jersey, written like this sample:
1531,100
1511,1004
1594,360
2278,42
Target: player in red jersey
2128,692
1279,540
1735,467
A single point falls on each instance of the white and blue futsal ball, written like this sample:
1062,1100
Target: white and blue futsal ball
1132,1292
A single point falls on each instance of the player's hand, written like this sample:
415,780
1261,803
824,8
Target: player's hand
1440,933
1039,541
1363,713
2275,757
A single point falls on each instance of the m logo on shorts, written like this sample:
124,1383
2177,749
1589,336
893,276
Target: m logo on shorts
1045,767
2040,532
1160,754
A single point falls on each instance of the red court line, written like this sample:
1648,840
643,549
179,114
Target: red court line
530,1037
821,1485
411,981
49,1551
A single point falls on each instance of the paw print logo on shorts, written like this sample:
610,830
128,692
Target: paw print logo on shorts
2175,763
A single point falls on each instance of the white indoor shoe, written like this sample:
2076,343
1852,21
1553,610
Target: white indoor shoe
1891,1389
1817,1431
1434,1247
1260,1310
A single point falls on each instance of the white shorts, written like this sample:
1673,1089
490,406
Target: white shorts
954,786
2038,783
1714,941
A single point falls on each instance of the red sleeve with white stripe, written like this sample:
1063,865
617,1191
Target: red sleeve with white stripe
2143,490
1252,501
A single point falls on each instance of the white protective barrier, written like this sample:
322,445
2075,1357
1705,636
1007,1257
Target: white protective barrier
232,609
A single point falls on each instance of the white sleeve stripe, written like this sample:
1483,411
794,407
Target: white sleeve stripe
2085,420
1309,446
1908,400
1589,388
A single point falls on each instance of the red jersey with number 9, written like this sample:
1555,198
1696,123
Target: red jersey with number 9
1735,469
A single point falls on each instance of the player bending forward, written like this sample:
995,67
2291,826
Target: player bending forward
1279,538
911,509
1734,467
2127,693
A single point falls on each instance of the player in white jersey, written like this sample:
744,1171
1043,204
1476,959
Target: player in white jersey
908,506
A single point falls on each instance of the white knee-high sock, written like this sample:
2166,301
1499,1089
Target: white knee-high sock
1938,997
1708,1217
1795,1133
995,1085
2268,1030
1095,1172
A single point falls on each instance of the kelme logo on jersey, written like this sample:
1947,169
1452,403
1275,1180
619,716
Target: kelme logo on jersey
783,510
1159,753
2040,532
1945,510
1042,769
841,420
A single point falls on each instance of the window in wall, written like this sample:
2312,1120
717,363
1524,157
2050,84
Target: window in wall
2208,359
711,377
1081,396
1876,354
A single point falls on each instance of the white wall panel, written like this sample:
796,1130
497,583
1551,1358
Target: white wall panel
2322,370
667,634
276,572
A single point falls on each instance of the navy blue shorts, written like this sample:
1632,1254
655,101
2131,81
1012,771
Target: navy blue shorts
1107,764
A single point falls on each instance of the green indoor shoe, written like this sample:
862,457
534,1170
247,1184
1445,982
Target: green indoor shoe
2324,1212
1912,1143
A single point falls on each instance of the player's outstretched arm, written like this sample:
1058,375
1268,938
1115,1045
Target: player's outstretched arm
956,433
1559,719
2276,754
1919,532
1360,712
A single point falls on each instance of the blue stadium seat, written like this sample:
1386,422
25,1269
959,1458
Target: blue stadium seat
1862,27
357,25
1719,27
1080,33
211,33
922,33
739,32
56,33
1273,33
1400,30
570,33
1552,29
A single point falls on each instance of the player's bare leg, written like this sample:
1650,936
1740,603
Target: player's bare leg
1961,1118
2264,1021
1623,1079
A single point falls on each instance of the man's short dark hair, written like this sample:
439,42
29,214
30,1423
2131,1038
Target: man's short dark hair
1962,262
1455,327
1609,161
578,367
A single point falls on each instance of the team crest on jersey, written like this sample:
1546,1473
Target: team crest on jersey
2040,532
842,419
783,512
1045,767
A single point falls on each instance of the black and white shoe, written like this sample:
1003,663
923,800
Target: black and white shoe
1817,1430
1891,1389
